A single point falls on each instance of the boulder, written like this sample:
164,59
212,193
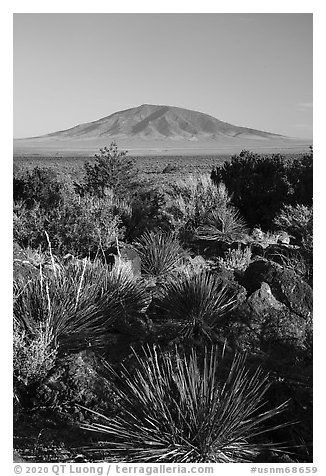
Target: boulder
125,256
284,238
263,324
285,285
130,256
262,300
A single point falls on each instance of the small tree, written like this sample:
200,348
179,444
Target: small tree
112,171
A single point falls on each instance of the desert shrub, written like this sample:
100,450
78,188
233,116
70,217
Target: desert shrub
82,226
146,212
38,186
81,303
267,238
301,178
190,200
28,262
112,171
34,256
236,259
170,169
28,225
261,185
160,253
298,221
192,266
33,356
182,410
85,226
78,378
195,304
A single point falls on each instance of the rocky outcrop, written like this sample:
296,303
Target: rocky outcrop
126,256
276,317
263,300
286,286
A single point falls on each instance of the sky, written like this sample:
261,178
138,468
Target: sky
251,70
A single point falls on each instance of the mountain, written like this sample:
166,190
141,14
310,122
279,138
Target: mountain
151,127
150,122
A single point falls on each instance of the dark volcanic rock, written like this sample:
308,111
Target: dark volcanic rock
286,286
263,300
263,324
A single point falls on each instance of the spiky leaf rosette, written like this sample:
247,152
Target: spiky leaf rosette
224,223
160,253
184,410
196,302
81,303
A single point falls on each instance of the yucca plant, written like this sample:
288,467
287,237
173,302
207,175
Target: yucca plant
196,302
223,223
187,410
160,253
81,303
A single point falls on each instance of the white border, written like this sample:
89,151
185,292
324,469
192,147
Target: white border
6,117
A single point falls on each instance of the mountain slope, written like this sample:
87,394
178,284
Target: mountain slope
152,129
150,122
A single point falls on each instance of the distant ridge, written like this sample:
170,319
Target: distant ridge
156,129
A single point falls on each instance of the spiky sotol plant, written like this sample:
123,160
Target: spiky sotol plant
224,223
160,253
196,302
187,410
80,303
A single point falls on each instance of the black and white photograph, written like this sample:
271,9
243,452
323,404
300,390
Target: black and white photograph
162,240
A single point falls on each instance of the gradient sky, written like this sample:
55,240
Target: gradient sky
252,70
